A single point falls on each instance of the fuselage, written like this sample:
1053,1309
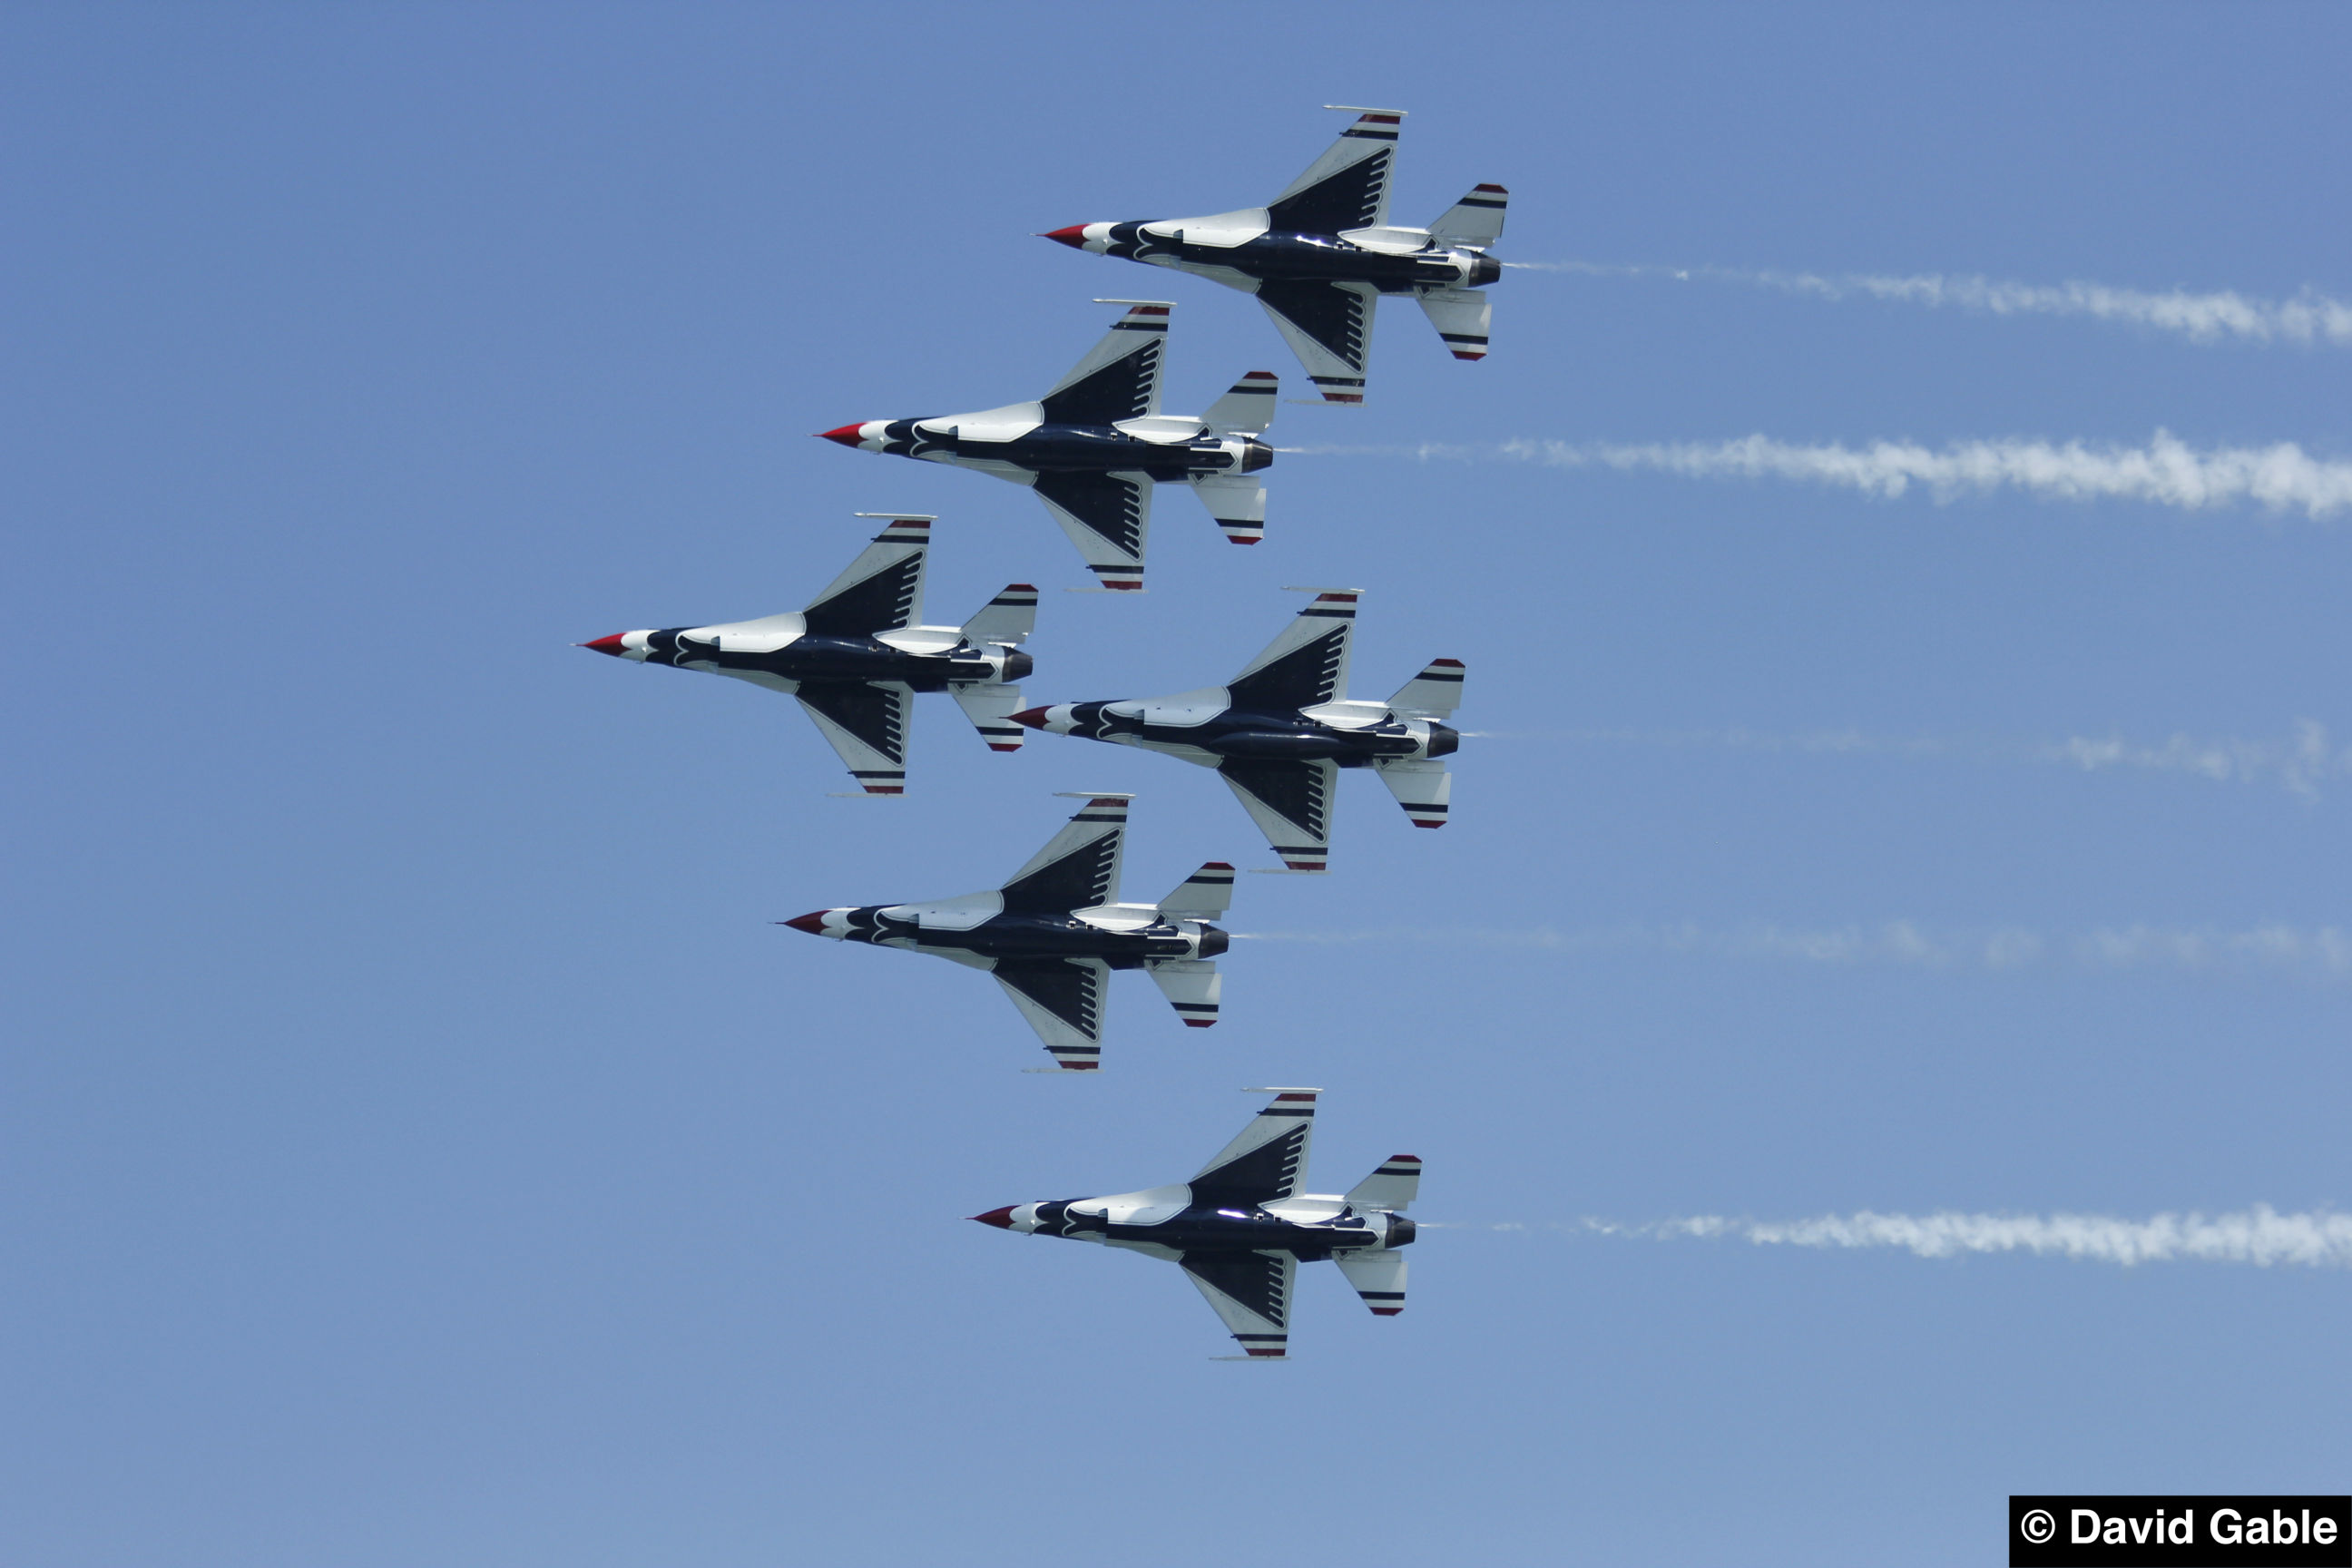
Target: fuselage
1124,936
779,653
1018,438
1229,246
1179,726
1310,1227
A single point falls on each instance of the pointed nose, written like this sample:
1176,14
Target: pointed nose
1001,1218
811,922
1031,718
1074,237
848,435
611,644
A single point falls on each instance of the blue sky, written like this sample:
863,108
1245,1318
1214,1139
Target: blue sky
422,1149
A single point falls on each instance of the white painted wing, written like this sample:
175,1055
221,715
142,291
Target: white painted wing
1378,1277
882,590
1119,376
1265,1160
1347,186
1422,786
1461,317
1329,327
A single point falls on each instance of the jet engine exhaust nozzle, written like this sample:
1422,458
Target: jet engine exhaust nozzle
1445,740
1485,269
1255,456
1018,667
1402,1230
1214,942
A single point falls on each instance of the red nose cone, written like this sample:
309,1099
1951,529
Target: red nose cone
1031,718
611,644
1001,1218
846,435
813,922
1074,237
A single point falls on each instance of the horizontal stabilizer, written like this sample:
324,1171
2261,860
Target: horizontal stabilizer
1192,986
1393,1186
1475,220
1249,407
1434,693
991,711
1205,895
1461,317
1237,503
1379,1279
1009,617
1422,786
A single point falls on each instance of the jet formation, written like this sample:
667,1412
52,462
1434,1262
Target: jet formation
1054,933
1320,256
1240,1227
1096,443
1093,448
1279,732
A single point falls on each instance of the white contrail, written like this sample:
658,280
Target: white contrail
2299,765
2320,952
2168,471
2306,319
2258,1236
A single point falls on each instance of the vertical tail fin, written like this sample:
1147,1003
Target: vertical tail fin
1434,693
1008,618
1249,407
1475,220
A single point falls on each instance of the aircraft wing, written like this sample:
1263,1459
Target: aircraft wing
1307,664
1063,1000
1347,186
882,591
1106,516
1119,377
865,721
1261,1165
1251,1293
1329,327
1078,868
1291,803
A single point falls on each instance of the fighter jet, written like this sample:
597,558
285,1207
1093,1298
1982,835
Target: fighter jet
856,656
1053,934
1320,256
1279,732
1094,445
1240,1228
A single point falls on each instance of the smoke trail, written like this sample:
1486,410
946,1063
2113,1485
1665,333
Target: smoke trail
2168,471
2258,1236
2299,765
2321,953
2306,319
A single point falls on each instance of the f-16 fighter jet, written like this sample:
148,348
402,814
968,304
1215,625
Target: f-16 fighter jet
1280,731
856,656
1240,1227
1053,934
1320,256
1094,445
